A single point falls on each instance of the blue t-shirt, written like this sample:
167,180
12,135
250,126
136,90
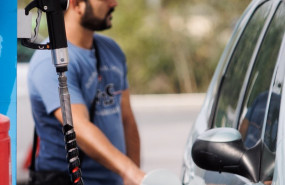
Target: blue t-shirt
83,85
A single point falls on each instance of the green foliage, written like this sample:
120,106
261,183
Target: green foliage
173,46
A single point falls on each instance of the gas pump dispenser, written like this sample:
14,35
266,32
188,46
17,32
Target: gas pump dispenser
58,46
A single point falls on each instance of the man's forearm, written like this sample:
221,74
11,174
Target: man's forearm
132,141
130,129
97,146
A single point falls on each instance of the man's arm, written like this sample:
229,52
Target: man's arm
130,128
243,128
96,145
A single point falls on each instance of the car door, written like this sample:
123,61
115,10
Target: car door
189,170
250,93
259,113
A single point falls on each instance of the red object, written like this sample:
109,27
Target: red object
5,151
28,158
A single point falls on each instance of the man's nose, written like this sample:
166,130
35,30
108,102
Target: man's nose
113,3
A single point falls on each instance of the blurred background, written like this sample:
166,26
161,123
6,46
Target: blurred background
172,46
172,49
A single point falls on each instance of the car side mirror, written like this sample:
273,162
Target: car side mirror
222,150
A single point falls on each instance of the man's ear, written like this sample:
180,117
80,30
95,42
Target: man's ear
77,6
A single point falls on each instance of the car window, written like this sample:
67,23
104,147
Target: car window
256,97
272,120
236,72
265,85
270,134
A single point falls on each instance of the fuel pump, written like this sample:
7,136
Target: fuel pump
58,46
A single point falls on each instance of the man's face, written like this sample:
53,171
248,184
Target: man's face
97,15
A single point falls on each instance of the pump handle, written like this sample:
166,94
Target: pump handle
55,20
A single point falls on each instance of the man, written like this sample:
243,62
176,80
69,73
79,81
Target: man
110,141
252,124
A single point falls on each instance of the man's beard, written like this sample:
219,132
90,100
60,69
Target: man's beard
93,23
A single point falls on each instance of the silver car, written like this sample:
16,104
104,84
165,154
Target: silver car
238,137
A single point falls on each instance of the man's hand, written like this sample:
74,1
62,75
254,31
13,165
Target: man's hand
132,175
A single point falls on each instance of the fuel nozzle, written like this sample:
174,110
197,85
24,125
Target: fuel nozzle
56,29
